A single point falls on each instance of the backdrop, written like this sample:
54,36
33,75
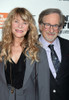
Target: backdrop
35,7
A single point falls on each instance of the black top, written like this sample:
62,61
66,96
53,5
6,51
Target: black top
15,72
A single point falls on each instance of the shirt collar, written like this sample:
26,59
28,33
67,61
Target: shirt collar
45,43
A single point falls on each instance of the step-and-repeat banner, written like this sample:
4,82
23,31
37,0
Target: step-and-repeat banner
35,7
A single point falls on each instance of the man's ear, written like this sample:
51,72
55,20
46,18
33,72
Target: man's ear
61,27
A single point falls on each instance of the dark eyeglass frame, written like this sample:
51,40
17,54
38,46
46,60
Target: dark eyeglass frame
48,26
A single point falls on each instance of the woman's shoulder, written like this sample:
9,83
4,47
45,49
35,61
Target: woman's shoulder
41,50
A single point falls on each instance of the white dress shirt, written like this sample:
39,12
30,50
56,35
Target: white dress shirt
57,49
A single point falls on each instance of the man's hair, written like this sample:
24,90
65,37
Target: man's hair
51,11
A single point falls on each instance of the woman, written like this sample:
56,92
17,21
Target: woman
22,62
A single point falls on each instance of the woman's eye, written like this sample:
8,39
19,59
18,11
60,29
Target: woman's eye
25,23
16,21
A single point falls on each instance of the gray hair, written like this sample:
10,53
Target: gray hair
50,11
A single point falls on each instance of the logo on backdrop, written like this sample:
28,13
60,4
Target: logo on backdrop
2,19
66,22
66,26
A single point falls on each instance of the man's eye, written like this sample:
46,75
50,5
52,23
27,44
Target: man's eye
55,25
47,24
16,21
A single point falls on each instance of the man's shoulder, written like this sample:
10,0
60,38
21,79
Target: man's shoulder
41,49
63,40
64,43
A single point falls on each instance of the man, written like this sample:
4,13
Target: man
51,21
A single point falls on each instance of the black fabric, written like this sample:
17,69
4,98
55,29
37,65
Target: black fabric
54,57
61,87
17,72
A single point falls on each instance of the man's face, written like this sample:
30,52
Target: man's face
50,27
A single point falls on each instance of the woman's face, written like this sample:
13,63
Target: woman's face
19,27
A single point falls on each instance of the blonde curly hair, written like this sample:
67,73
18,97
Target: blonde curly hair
30,42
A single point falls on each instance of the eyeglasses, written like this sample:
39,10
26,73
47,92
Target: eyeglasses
48,26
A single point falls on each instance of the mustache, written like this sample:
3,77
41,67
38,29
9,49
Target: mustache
51,32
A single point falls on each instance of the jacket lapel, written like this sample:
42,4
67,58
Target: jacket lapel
29,68
2,72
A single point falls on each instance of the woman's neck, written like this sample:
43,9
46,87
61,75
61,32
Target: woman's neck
17,42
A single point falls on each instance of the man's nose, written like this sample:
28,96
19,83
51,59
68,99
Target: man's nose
51,29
